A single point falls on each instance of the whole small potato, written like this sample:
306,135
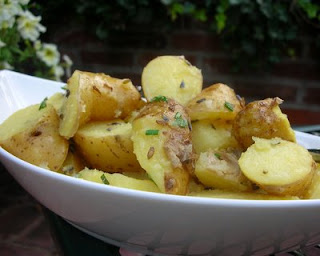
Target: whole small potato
262,119
217,101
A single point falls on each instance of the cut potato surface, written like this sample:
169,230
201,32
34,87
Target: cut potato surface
262,119
162,143
221,170
32,135
173,77
107,146
118,180
96,97
208,135
217,101
277,166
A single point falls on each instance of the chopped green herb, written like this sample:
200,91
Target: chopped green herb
43,104
229,106
159,98
64,87
152,132
217,156
179,121
104,179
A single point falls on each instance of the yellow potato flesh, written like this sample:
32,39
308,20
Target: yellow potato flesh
173,77
118,180
278,166
107,146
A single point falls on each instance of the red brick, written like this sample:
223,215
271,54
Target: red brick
302,116
312,96
135,78
297,69
261,91
144,58
196,42
76,37
218,65
107,58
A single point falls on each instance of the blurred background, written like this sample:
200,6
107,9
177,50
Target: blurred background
259,48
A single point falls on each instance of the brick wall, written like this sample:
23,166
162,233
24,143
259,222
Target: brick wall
296,81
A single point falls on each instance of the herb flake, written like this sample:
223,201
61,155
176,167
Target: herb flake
179,121
229,106
152,132
43,104
159,98
104,179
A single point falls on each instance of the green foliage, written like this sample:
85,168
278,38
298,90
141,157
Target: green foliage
255,33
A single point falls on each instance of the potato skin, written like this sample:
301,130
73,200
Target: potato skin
262,119
168,156
173,77
217,101
278,166
107,146
32,135
96,97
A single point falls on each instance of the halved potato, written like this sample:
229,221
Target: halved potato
32,135
217,101
208,135
96,97
262,119
73,163
162,143
313,191
173,77
107,146
278,166
56,100
221,170
118,180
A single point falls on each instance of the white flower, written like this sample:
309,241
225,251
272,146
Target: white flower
37,45
68,63
58,72
5,65
29,26
49,54
2,44
8,10
67,60
23,2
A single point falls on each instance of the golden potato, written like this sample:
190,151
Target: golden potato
262,119
219,193
221,170
217,101
162,143
173,77
313,191
96,97
278,166
73,163
107,146
118,180
56,100
32,135
208,135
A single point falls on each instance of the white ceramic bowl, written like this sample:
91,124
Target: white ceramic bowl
153,223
